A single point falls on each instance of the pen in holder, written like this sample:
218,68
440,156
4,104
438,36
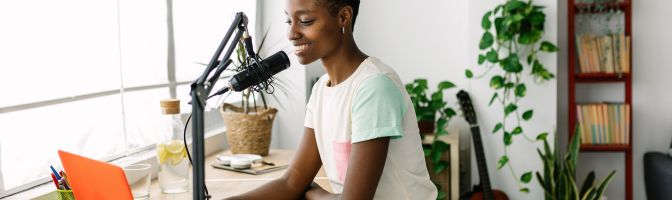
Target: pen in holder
65,195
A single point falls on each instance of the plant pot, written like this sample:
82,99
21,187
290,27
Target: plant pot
248,133
426,127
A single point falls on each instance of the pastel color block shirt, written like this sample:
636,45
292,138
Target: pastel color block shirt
371,103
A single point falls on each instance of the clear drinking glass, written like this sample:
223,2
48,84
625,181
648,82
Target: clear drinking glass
139,180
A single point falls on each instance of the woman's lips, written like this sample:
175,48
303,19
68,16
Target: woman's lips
299,49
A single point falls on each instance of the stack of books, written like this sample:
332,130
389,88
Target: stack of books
604,123
608,54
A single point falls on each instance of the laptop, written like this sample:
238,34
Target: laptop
92,179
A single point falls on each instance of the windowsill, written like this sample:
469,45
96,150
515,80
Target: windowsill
215,141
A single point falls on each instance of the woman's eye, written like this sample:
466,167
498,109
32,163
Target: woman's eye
288,22
307,22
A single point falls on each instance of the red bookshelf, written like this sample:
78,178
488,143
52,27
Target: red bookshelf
577,79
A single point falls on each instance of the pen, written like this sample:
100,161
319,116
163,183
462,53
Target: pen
58,177
53,178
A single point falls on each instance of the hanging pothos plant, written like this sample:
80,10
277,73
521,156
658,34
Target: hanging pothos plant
514,43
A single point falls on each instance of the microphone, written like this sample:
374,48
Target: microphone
257,73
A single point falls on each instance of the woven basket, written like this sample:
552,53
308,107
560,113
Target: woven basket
248,133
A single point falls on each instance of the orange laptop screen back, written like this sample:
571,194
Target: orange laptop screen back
92,179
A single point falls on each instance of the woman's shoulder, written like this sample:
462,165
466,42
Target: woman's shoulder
374,67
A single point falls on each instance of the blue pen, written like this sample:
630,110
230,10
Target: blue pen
58,177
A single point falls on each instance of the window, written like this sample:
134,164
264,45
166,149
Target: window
87,76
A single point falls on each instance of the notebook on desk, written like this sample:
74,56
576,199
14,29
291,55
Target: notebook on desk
92,179
256,169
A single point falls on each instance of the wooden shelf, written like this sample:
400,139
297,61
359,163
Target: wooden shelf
581,8
600,77
605,147
576,79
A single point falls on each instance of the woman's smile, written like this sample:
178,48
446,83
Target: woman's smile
301,49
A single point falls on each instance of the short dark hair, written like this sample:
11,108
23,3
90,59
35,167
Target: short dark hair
335,5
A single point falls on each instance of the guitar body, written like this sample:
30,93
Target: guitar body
496,194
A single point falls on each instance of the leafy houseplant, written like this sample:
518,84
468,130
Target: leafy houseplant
518,30
436,112
249,126
558,177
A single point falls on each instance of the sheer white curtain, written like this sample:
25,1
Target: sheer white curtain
87,76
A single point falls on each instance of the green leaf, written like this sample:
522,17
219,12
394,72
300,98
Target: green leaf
517,18
548,47
529,37
510,108
486,40
441,124
508,138
445,85
521,90
494,96
509,85
497,82
427,152
492,56
525,190
437,96
485,23
513,5
441,195
517,130
449,112
436,156
481,59
512,64
409,88
527,115
468,73
542,136
530,58
497,9
502,161
497,127
537,18
421,82
526,177
440,167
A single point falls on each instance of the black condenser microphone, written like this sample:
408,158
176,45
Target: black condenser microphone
257,73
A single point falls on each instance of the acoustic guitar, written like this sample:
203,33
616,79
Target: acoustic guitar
485,192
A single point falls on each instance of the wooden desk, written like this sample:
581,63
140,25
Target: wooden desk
223,183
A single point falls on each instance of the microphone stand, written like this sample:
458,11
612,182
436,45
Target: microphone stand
200,89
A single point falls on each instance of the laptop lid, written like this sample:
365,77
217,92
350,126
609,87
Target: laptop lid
92,179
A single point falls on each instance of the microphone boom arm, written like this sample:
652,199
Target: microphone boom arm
200,89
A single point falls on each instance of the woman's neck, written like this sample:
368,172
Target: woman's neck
343,63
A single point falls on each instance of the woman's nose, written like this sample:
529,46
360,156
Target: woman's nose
292,34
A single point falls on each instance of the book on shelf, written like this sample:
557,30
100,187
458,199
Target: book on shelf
604,123
609,54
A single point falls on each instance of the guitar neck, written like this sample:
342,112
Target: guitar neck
480,161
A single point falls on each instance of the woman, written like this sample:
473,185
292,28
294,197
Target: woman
360,123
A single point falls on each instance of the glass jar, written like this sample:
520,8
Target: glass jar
171,151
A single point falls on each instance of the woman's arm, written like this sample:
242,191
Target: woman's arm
301,172
367,161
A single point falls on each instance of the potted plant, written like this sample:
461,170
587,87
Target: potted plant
249,125
558,178
433,111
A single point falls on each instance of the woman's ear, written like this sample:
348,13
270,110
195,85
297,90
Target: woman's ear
345,16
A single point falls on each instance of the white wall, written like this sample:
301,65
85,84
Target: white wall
651,108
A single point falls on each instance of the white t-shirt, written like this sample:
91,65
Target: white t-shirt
371,103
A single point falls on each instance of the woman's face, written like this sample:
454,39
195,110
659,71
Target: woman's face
314,32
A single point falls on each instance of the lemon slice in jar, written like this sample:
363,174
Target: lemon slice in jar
172,151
